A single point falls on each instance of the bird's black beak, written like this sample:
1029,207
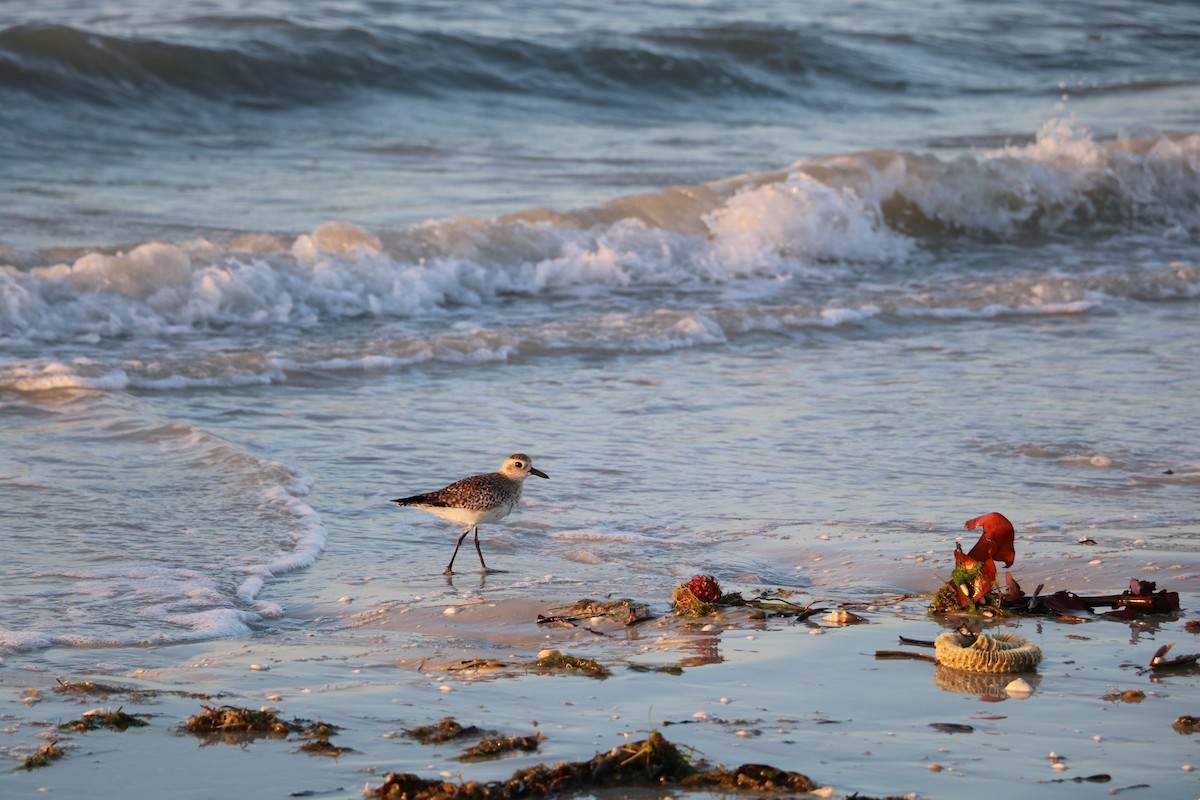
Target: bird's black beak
538,472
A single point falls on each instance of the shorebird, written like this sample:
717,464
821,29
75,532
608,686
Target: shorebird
480,498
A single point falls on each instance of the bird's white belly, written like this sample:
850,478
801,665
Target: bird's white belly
470,517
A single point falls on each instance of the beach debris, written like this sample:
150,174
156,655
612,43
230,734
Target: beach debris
897,655
952,727
843,617
88,688
971,587
324,747
448,730
104,718
974,574
918,642
1018,688
1135,602
999,652
497,746
493,745
702,596
234,725
46,755
476,664
1118,789
1140,599
1192,626
85,689
1159,660
1099,777
624,610
652,762
318,735
1187,724
1127,696
556,661
669,669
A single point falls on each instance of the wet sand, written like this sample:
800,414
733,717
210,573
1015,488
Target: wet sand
805,696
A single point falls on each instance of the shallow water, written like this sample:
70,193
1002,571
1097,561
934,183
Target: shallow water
782,295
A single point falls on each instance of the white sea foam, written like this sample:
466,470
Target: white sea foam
833,242
249,517
822,213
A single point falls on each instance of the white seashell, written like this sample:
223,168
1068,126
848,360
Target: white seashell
1018,688
345,599
260,667
549,654
450,611
444,689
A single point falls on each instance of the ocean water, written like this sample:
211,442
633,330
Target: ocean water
737,276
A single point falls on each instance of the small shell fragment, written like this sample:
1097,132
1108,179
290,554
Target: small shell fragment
260,667
1018,688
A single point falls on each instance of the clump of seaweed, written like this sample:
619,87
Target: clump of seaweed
555,661
319,730
85,689
234,725
318,734
44,757
324,747
104,718
651,762
498,746
1187,724
702,596
447,730
752,778
91,688
699,597
624,610
669,669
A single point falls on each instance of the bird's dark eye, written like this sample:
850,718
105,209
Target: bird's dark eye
520,465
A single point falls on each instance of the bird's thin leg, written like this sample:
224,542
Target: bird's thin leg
450,566
480,552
